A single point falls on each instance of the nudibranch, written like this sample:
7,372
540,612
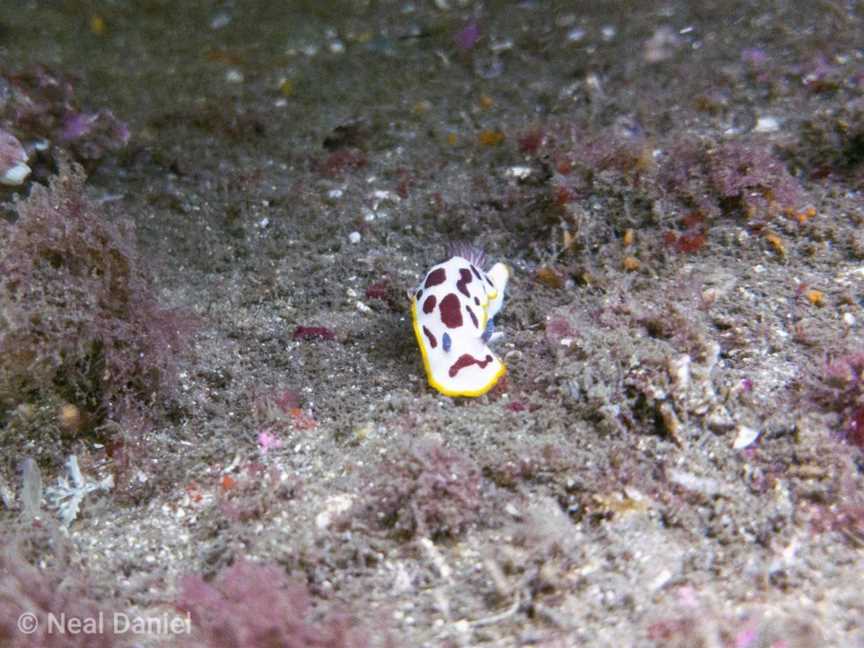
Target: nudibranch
452,310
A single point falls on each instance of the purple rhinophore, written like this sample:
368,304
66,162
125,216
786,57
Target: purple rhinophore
467,37
754,56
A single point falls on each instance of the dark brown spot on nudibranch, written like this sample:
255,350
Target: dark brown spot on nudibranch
429,304
432,341
473,316
419,294
476,301
464,280
466,360
451,312
476,273
489,281
437,276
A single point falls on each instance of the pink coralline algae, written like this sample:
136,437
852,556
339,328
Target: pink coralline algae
39,105
727,178
313,333
843,392
268,441
74,293
378,290
257,606
40,595
340,162
90,128
387,292
425,489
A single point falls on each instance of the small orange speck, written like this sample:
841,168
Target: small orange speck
486,102
194,492
490,137
452,139
805,215
422,107
629,237
564,166
70,417
227,482
97,24
776,243
800,216
815,297
552,277
301,420
645,161
569,240
631,263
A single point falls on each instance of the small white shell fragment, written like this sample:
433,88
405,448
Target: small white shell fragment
380,196
518,172
354,237
436,558
15,175
661,46
13,160
511,510
679,371
848,319
234,76
220,19
575,35
7,495
704,485
333,506
767,124
744,437
661,579
402,582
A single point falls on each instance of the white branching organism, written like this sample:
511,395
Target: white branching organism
70,490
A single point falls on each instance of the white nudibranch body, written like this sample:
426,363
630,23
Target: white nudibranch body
452,310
